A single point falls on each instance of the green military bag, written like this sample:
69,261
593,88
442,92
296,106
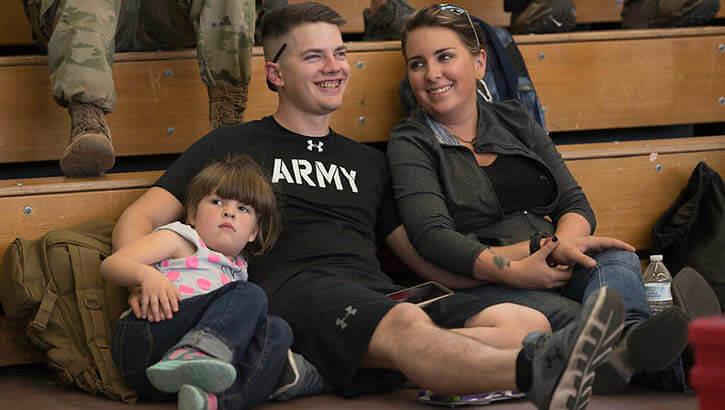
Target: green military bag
52,288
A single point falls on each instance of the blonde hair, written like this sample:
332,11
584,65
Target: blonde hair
238,177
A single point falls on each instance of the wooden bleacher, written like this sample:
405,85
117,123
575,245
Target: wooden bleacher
586,81
588,11
14,29
627,78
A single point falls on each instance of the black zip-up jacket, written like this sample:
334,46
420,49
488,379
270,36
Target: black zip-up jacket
447,202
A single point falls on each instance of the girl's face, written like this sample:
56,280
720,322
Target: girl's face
442,72
225,225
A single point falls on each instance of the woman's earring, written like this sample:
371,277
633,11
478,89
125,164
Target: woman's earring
483,90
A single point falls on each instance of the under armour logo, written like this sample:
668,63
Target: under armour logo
311,145
348,311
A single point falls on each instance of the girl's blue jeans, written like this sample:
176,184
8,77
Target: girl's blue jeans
230,323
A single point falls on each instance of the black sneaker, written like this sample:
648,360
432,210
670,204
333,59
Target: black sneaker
634,353
299,378
563,363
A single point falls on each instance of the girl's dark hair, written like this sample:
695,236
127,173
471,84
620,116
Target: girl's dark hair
238,177
459,23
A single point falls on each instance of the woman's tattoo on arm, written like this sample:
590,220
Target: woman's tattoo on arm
501,262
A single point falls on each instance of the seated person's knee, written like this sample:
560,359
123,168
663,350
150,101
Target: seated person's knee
403,315
511,316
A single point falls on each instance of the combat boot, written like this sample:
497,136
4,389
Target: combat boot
544,16
89,152
226,105
668,13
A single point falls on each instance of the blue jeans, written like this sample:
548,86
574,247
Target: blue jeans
617,269
230,323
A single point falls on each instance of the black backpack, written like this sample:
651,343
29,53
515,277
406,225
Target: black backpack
691,232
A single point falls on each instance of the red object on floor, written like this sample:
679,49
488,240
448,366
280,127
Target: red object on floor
707,337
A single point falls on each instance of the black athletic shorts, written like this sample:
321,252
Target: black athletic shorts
333,320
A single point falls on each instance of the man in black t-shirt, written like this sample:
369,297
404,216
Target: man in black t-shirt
322,276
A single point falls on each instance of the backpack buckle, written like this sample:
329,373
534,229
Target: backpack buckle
93,302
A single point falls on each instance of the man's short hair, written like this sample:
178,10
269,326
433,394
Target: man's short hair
281,20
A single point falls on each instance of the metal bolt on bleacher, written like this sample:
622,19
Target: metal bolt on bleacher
28,210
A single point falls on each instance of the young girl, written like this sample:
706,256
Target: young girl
201,329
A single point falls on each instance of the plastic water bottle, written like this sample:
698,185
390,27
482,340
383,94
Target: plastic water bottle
657,283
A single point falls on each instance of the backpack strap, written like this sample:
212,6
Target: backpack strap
94,313
47,304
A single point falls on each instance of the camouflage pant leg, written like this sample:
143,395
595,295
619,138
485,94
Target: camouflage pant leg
224,40
223,31
80,52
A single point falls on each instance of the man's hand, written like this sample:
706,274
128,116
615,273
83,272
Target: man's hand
572,251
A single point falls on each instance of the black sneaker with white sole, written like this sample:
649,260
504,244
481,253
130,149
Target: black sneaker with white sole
300,378
563,363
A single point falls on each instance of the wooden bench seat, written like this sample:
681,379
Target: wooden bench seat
585,80
654,170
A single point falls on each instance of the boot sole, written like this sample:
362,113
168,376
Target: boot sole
87,155
694,295
669,329
592,347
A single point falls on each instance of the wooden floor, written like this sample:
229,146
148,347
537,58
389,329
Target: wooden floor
33,387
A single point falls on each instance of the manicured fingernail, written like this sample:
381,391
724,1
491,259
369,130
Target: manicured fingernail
554,239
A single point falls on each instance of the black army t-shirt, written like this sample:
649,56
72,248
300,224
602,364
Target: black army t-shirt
334,193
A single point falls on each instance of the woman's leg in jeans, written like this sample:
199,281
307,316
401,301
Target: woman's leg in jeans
616,269
648,343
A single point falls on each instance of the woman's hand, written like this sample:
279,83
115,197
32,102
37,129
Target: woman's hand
535,271
572,250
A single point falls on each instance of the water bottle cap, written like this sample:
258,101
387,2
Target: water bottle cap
655,258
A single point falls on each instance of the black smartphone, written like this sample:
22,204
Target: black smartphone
422,295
